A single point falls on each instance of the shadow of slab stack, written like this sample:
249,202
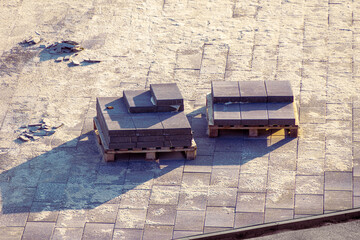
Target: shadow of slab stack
145,119
252,103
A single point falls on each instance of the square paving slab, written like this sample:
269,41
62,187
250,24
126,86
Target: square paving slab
252,91
254,114
227,114
225,91
175,123
166,94
139,101
147,124
279,91
281,113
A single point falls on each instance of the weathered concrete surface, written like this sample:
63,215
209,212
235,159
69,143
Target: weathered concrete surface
60,187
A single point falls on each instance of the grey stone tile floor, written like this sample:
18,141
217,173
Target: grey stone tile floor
58,187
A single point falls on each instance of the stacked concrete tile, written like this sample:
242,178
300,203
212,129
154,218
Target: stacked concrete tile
145,119
252,103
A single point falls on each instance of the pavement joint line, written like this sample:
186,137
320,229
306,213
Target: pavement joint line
293,224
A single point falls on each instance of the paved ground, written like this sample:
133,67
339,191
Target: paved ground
58,187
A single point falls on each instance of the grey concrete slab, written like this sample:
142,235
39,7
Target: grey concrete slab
68,233
38,230
189,221
253,91
175,123
227,114
279,91
219,217
161,214
254,114
101,231
139,101
147,124
281,113
225,91
166,94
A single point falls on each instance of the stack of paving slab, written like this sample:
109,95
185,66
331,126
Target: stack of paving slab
252,103
143,119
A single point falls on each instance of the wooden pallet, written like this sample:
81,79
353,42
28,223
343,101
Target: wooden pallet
213,130
109,154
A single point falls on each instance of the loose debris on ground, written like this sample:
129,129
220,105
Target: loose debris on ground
64,47
31,41
34,131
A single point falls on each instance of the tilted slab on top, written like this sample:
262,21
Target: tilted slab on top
167,97
252,91
139,101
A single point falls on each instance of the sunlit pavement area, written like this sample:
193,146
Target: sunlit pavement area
58,187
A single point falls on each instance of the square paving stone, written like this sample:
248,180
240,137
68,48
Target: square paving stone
166,94
182,234
11,232
124,234
222,197
161,214
228,159
225,91
175,123
309,185
121,125
190,220
38,230
193,200
131,218
252,92
252,182
356,186
14,218
105,213
157,232
71,218
201,164
275,215
98,231
227,114
248,219
139,101
281,113
147,124
225,177
250,202
68,233
219,217
309,204
50,192
111,105
254,114
337,200
44,212
279,91
338,181
165,195
280,199
195,180
135,199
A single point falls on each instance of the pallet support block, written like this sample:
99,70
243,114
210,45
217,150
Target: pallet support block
253,132
150,156
109,157
190,155
213,132
294,133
